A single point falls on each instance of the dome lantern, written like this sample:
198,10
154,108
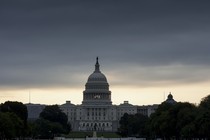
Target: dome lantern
97,66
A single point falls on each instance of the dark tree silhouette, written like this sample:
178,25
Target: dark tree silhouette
54,114
15,107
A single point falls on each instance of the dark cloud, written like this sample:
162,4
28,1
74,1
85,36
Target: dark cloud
43,42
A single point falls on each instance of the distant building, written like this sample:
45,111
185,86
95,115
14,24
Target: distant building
147,110
34,110
170,99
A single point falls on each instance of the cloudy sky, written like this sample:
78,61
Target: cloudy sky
146,49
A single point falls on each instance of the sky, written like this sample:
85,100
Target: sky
146,49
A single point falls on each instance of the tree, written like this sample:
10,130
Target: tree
10,126
17,114
42,128
7,129
133,125
158,123
124,125
176,120
203,118
203,124
186,116
205,103
54,114
18,124
139,125
16,107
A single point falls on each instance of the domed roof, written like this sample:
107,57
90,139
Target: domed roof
97,88
97,76
170,99
170,96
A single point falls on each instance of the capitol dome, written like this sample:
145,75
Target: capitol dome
97,76
97,87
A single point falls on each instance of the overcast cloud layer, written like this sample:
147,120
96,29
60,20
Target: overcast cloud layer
48,43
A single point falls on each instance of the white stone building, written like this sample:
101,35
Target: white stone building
96,111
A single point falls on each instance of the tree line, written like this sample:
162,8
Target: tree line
14,124
177,121
52,122
13,120
182,120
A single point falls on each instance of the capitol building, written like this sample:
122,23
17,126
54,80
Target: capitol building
97,111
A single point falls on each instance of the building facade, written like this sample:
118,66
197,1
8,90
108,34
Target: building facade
147,110
96,111
34,110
